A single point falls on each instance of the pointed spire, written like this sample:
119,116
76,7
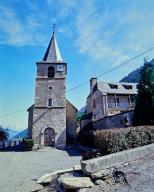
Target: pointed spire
52,53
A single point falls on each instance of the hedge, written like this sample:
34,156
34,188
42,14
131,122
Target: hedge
113,140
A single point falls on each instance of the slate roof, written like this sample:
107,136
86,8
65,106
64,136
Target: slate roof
117,88
52,53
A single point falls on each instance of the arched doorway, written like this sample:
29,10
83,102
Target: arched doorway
49,137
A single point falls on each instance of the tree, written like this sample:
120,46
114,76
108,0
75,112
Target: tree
3,134
144,108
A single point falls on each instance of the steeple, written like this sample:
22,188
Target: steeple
52,53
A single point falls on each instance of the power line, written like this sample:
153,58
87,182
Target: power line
112,69
84,83
12,113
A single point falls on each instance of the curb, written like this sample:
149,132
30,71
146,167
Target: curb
107,161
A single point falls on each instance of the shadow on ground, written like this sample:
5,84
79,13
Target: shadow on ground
17,148
70,150
73,151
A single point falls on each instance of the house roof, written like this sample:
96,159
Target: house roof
52,53
117,88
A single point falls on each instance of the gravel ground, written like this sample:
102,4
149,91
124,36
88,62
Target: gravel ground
139,174
20,170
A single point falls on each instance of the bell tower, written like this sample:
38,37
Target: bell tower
49,113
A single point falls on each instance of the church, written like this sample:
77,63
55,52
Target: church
52,118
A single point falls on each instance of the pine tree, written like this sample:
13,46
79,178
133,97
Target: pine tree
144,109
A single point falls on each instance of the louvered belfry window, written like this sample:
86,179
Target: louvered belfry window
51,71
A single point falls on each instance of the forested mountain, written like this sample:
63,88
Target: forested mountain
22,134
134,76
12,132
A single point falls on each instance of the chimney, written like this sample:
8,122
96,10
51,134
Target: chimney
93,82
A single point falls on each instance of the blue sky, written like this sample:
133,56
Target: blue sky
93,36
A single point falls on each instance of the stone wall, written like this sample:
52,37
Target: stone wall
114,121
95,104
53,118
83,123
71,123
97,164
57,93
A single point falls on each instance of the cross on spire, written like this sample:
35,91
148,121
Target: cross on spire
54,26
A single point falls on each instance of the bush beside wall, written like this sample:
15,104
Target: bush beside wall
113,140
28,144
86,137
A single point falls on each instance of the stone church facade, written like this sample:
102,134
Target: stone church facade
52,119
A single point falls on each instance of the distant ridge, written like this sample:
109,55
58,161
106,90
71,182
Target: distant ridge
81,112
22,134
134,76
12,132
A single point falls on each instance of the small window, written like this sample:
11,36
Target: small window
50,88
113,86
51,71
49,102
128,86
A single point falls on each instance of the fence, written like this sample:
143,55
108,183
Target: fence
10,143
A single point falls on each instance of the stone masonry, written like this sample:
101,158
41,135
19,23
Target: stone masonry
47,117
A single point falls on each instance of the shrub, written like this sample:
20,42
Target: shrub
151,129
114,140
86,137
28,144
110,141
138,136
3,134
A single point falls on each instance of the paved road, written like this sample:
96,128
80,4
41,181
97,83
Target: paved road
20,170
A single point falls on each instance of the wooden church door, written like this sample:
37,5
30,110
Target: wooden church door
49,137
